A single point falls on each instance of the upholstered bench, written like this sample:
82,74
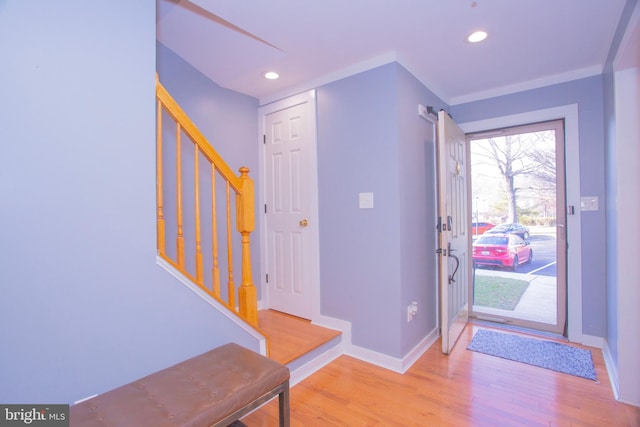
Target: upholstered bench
213,389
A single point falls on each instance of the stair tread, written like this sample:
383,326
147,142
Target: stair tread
291,337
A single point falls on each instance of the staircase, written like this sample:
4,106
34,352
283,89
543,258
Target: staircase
194,188
196,210
299,344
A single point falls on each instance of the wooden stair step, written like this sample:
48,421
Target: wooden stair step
291,337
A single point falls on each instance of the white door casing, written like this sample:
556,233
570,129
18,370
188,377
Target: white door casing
573,228
549,318
453,223
290,236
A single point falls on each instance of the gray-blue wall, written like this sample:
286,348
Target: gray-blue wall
374,262
417,172
587,93
84,307
360,248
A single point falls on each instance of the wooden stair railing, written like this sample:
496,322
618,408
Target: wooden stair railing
241,185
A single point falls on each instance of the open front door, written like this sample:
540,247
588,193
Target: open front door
452,226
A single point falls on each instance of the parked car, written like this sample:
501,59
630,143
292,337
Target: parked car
501,250
511,228
478,228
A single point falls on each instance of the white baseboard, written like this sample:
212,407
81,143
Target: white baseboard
396,364
419,350
612,370
592,341
400,365
315,365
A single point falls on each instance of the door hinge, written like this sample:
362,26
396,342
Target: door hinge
439,225
264,139
265,208
267,277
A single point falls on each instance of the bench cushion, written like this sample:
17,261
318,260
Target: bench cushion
194,393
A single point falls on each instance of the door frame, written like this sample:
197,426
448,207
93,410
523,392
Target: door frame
572,160
560,214
308,97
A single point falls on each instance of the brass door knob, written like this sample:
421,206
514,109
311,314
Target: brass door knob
304,223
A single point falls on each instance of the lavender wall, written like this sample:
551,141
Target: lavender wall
418,197
375,261
588,94
229,121
360,248
84,307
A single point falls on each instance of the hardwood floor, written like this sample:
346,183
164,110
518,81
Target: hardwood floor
463,389
290,336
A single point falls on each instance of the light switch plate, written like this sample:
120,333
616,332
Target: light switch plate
365,200
589,203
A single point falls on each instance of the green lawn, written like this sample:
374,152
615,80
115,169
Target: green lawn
498,292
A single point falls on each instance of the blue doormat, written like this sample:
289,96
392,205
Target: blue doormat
545,354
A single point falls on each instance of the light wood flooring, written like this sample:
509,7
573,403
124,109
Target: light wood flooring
291,337
463,389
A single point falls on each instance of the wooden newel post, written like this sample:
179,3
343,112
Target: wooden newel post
245,217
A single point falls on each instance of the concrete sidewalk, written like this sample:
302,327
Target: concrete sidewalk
538,303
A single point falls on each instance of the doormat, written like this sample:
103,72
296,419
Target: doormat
545,354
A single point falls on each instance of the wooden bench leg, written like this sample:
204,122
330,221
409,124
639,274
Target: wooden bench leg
283,404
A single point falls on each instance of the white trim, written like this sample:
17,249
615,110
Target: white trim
625,204
528,85
215,304
393,56
423,78
315,365
309,98
572,170
400,365
375,358
612,370
384,361
352,70
592,341
360,67
410,358
627,55
336,324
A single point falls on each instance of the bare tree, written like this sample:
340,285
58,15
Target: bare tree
544,175
516,157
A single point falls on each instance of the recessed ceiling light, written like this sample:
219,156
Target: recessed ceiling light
271,75
477,36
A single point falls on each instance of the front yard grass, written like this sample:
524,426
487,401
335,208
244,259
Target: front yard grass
498,292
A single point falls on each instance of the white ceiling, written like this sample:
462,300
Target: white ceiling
531,43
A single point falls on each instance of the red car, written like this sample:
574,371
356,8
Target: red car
501,250
478,228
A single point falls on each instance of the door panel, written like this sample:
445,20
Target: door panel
454,238
290,221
